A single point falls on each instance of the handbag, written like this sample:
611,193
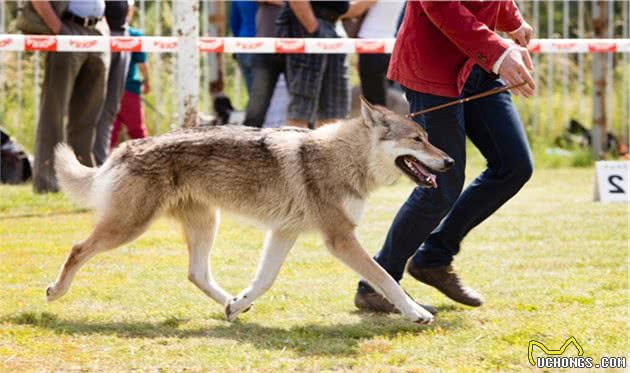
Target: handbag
29,22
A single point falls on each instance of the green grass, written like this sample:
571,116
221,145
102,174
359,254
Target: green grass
551,263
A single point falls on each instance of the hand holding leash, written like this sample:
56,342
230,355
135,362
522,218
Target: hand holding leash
515,68
522,35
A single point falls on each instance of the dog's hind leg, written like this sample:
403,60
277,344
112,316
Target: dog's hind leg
200,225
277,246
344,245
108,234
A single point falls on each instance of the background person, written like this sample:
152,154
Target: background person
267,67
317,83
379,20
444,50
116,14
131,113
74,83
243,25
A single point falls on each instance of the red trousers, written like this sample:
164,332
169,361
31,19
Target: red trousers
131,115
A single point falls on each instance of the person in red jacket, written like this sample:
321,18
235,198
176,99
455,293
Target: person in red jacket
447,50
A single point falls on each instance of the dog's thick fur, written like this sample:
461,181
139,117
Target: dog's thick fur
288,179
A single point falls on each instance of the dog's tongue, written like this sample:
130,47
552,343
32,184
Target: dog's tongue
426,175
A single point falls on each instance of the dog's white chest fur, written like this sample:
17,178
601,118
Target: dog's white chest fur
354,208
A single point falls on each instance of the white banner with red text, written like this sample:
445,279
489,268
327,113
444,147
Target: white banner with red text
166,44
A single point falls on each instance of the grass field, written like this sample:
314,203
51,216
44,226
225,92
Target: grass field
552,264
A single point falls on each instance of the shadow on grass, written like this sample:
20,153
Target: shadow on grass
308,339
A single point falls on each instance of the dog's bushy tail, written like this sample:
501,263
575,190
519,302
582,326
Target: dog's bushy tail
75,179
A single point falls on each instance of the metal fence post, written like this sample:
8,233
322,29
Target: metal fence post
158,64
142,15
567,58
536,114
2,92
599,80
625,89
2,29
550,62
205,66
610,78
580,72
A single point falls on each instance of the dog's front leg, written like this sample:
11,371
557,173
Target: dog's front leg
276,248
346,247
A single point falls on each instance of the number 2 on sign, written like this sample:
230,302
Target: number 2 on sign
616,187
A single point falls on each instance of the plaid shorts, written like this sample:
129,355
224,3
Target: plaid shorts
317,83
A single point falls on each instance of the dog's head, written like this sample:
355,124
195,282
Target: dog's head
403,144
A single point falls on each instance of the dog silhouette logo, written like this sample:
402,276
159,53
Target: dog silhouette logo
560,351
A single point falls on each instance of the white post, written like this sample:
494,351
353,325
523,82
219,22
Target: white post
187,31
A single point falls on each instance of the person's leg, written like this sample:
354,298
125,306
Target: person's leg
121,119
135,117
304,81
60,74
264,78
245,63
372,72
118,68
334,95
495,128
116,126
425,207
86,104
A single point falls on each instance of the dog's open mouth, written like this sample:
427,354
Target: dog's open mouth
416,171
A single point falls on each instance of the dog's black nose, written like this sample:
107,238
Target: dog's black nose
449,162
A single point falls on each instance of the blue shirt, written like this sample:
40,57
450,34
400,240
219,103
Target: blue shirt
134,81
243,18
87,8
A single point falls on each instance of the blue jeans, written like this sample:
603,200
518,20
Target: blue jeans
246,65
432,223
265,74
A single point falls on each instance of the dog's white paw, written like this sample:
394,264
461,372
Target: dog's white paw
420,316
53,293
235,307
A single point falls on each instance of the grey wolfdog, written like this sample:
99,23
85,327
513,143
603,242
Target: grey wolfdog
288,179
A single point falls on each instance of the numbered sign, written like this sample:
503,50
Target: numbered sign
612,179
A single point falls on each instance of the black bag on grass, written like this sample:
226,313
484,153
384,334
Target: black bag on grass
15,165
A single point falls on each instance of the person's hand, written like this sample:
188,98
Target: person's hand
515,69
313,29
523,35
146,87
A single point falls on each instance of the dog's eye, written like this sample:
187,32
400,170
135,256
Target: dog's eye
418,139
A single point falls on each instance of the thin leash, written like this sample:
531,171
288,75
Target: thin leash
491,92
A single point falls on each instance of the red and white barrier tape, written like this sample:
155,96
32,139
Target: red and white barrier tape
165,44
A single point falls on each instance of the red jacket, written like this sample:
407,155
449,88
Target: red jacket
440,41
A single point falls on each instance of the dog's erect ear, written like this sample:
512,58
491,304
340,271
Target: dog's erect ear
368,112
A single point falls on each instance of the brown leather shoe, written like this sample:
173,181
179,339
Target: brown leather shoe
371,301
446,280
